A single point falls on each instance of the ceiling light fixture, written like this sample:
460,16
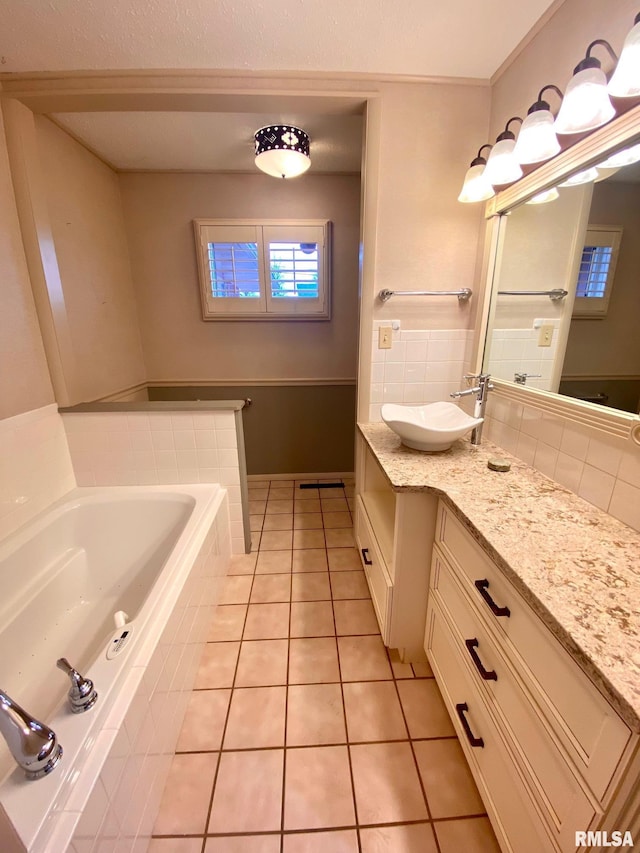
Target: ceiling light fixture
502,167
537,140
282,150
586,103
475,186
625,82
544,197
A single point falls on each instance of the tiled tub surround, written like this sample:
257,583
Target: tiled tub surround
160,444
602,469
576,566
106,790
517,351
422,366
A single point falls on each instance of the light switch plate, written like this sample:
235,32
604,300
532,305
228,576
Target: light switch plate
384,337
545,336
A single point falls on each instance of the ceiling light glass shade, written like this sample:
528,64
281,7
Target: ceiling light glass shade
586,103
584,177
537,140
502,166
603,173
545,196
282,150
476,187
625,82
622,158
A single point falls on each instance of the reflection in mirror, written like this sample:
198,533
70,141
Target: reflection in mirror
585,344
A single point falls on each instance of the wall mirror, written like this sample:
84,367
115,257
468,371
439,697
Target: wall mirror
564,286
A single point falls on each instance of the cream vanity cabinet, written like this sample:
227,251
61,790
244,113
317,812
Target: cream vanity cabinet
394,533
545,747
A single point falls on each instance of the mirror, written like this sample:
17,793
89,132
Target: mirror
566,292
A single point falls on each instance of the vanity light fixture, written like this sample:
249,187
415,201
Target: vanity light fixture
586,105
476,187
537,140
604,173
502,167
282,150
545,196
622,158
625,82
584,177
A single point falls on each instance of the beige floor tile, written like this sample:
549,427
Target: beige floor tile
422,670
267,622
273,562
278,506
400,670
410,838
255,541
227,623
248,795
242,564
257,507
236,589
315,715
174,845
276,540
318,788
242,844
373,711
310,586
257,483
473,835
281,493
299,483
270,588
336,519
282,521
311,619
217,666
308,539
424,709
363,659
313,661
306,504
351,585
338,841
256,718
187,794
386,783
262,663
258,493
447,780
256,523
308,521
310,560
355,617
204,721
282,484
351,502
334,504
344,560
339,538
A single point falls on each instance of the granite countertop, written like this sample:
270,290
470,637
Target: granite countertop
577,567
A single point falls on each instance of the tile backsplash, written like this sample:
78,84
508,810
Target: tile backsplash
519,351
602,469
35,466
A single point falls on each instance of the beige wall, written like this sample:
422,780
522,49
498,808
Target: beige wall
178,345
24,377
85,212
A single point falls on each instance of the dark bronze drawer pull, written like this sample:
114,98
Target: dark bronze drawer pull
487,674
482,587
365,557
461,709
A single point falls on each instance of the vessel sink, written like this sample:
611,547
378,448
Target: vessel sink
432,427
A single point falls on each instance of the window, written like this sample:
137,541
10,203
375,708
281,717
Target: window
597,269
263,270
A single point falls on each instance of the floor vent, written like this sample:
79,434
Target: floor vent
337,485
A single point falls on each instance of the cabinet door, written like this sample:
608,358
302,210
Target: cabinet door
380,584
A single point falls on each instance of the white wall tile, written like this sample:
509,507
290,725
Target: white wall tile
605,454
625,504
568,471
596,486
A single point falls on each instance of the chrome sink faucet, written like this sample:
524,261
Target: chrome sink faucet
482,391
33,745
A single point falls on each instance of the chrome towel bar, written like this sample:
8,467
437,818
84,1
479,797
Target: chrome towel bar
554,295
463,295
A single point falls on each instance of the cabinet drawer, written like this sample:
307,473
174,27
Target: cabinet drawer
587,725
375,570
555,785
513,814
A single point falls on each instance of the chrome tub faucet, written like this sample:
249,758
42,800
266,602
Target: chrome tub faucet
33,745
82,694
481,390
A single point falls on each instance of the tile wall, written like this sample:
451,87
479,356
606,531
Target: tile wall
422,366
149,448
35,467
602,469
518,351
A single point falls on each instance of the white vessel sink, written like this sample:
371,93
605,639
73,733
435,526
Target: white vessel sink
432,427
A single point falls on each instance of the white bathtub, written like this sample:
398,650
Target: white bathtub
158,553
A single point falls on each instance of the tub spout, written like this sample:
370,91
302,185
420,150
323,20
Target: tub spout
33,745
82,694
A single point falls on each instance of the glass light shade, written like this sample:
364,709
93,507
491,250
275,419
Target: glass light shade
603,173
282,150
584,177
476,187
625,82
502,166
586,103
622,158
537,140
545,196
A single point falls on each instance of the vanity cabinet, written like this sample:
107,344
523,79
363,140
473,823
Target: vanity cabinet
545,747
394,532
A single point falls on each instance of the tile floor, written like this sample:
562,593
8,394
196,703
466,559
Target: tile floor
303,733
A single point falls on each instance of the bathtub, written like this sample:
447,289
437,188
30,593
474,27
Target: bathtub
156,554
